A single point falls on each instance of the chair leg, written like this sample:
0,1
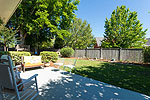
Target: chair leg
74,68
42,67
1,94
64,67
70,70
36,85
24,69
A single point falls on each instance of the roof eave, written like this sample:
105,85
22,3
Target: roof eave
7,9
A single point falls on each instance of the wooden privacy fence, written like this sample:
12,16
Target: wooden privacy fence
135,55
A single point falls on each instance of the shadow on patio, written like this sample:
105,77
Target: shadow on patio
55,86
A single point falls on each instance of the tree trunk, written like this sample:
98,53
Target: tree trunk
5,49
22,37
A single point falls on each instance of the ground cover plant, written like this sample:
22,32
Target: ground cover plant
135,78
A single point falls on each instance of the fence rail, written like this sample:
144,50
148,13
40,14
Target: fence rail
135,55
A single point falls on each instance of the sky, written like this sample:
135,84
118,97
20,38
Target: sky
96,11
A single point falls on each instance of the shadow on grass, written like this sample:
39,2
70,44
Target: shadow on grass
134,78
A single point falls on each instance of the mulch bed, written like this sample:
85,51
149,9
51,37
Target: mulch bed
127,63
119,62
133,63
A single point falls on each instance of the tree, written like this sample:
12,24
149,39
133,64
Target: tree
123,30
43,19
80,35
7,37
48,44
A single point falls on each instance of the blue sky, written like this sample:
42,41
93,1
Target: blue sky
96,11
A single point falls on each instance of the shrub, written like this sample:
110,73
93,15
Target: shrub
4,53
67,52
147,54
15,55
49,56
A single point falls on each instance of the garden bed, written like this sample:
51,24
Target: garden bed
134,63
119,62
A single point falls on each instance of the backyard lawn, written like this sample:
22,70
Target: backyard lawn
135,78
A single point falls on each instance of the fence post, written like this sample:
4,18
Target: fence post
86,53
119,57
101,56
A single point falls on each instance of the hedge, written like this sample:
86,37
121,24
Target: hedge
67,52
48,56
4,53
15,55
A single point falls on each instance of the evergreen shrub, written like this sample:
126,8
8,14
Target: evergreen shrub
67,52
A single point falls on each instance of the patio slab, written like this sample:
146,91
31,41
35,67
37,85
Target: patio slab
57,86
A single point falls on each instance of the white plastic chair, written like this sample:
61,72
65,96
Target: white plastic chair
9,87
60,62
70,66
5,57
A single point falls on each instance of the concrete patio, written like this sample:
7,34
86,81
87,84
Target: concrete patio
53,85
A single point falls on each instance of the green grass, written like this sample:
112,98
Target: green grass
135,78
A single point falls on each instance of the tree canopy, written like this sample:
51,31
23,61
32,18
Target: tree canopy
80,35
43,19
123,30
7,37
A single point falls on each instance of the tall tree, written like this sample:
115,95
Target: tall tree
7,37
123,30
43,18
80,35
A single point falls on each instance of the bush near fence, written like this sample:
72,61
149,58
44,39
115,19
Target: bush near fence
66,52
49,56
147,54
132,55
15,55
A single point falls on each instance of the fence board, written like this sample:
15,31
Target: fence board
93,53
79,53
110,53
135,55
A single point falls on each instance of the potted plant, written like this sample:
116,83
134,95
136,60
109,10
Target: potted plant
51,63
46,63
